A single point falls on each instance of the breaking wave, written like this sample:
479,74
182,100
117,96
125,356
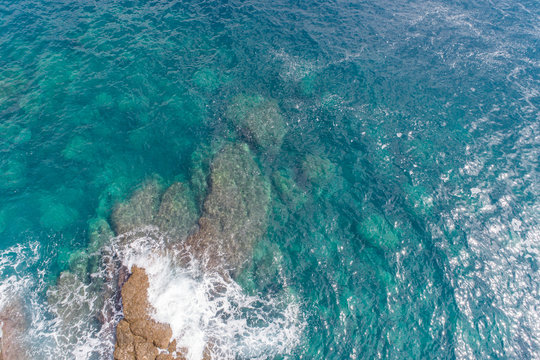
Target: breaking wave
206,311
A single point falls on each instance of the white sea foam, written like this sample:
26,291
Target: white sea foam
203,309
66,329
207,311
13,263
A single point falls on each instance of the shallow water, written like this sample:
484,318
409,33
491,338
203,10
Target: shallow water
401,162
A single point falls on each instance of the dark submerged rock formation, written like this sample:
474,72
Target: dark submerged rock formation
259,120
234,216
173,211
177,214
235,210
140,210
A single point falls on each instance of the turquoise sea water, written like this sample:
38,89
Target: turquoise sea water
399,142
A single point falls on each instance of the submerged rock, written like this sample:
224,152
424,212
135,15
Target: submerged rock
379,232
235,210
287,188
56,215
234,216
174,211
138,336
140,210
74,303
85,297
207,79
321,175
259,120
85,262
319,170
177,214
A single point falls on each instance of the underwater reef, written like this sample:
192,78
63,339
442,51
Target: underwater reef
211,223
234,216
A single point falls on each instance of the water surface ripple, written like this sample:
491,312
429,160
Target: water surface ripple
404,213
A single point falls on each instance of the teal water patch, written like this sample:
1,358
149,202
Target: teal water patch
388,153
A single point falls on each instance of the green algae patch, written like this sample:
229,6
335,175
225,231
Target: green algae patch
86,115
139,138
259,120
24,136
56,72
104,100
130,102
190,110
13,134
379,233
8,91
307,84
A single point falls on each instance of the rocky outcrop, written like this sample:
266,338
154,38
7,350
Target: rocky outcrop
14,325
235,210
138,336
258,120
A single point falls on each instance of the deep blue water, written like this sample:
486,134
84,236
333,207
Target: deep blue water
404,207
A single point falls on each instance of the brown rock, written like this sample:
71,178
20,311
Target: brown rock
152,331
14,326
124,353
124,337
172,346
170,357
207,352
134,295
138,336
163,357
145,351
